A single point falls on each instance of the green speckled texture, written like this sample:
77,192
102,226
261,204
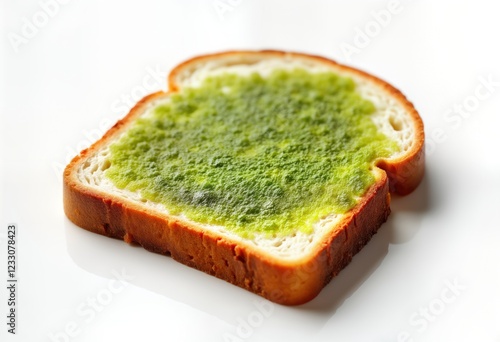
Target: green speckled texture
269,155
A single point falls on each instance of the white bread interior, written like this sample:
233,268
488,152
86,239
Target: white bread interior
390,117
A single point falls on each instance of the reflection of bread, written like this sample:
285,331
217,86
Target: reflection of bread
285,269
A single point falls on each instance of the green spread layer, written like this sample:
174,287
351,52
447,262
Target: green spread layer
254,154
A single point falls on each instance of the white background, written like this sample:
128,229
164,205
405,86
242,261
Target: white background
71,69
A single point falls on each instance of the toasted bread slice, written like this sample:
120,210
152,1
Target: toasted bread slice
289,269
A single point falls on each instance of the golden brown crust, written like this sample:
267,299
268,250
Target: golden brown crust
289,282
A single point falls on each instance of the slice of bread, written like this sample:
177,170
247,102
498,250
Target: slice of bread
288,269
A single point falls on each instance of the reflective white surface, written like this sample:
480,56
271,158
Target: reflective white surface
72,69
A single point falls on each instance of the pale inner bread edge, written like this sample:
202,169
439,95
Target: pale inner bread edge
390,117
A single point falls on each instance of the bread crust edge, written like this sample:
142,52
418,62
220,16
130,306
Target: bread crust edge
288,282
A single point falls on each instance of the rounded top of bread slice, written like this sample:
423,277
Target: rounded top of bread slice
395,116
